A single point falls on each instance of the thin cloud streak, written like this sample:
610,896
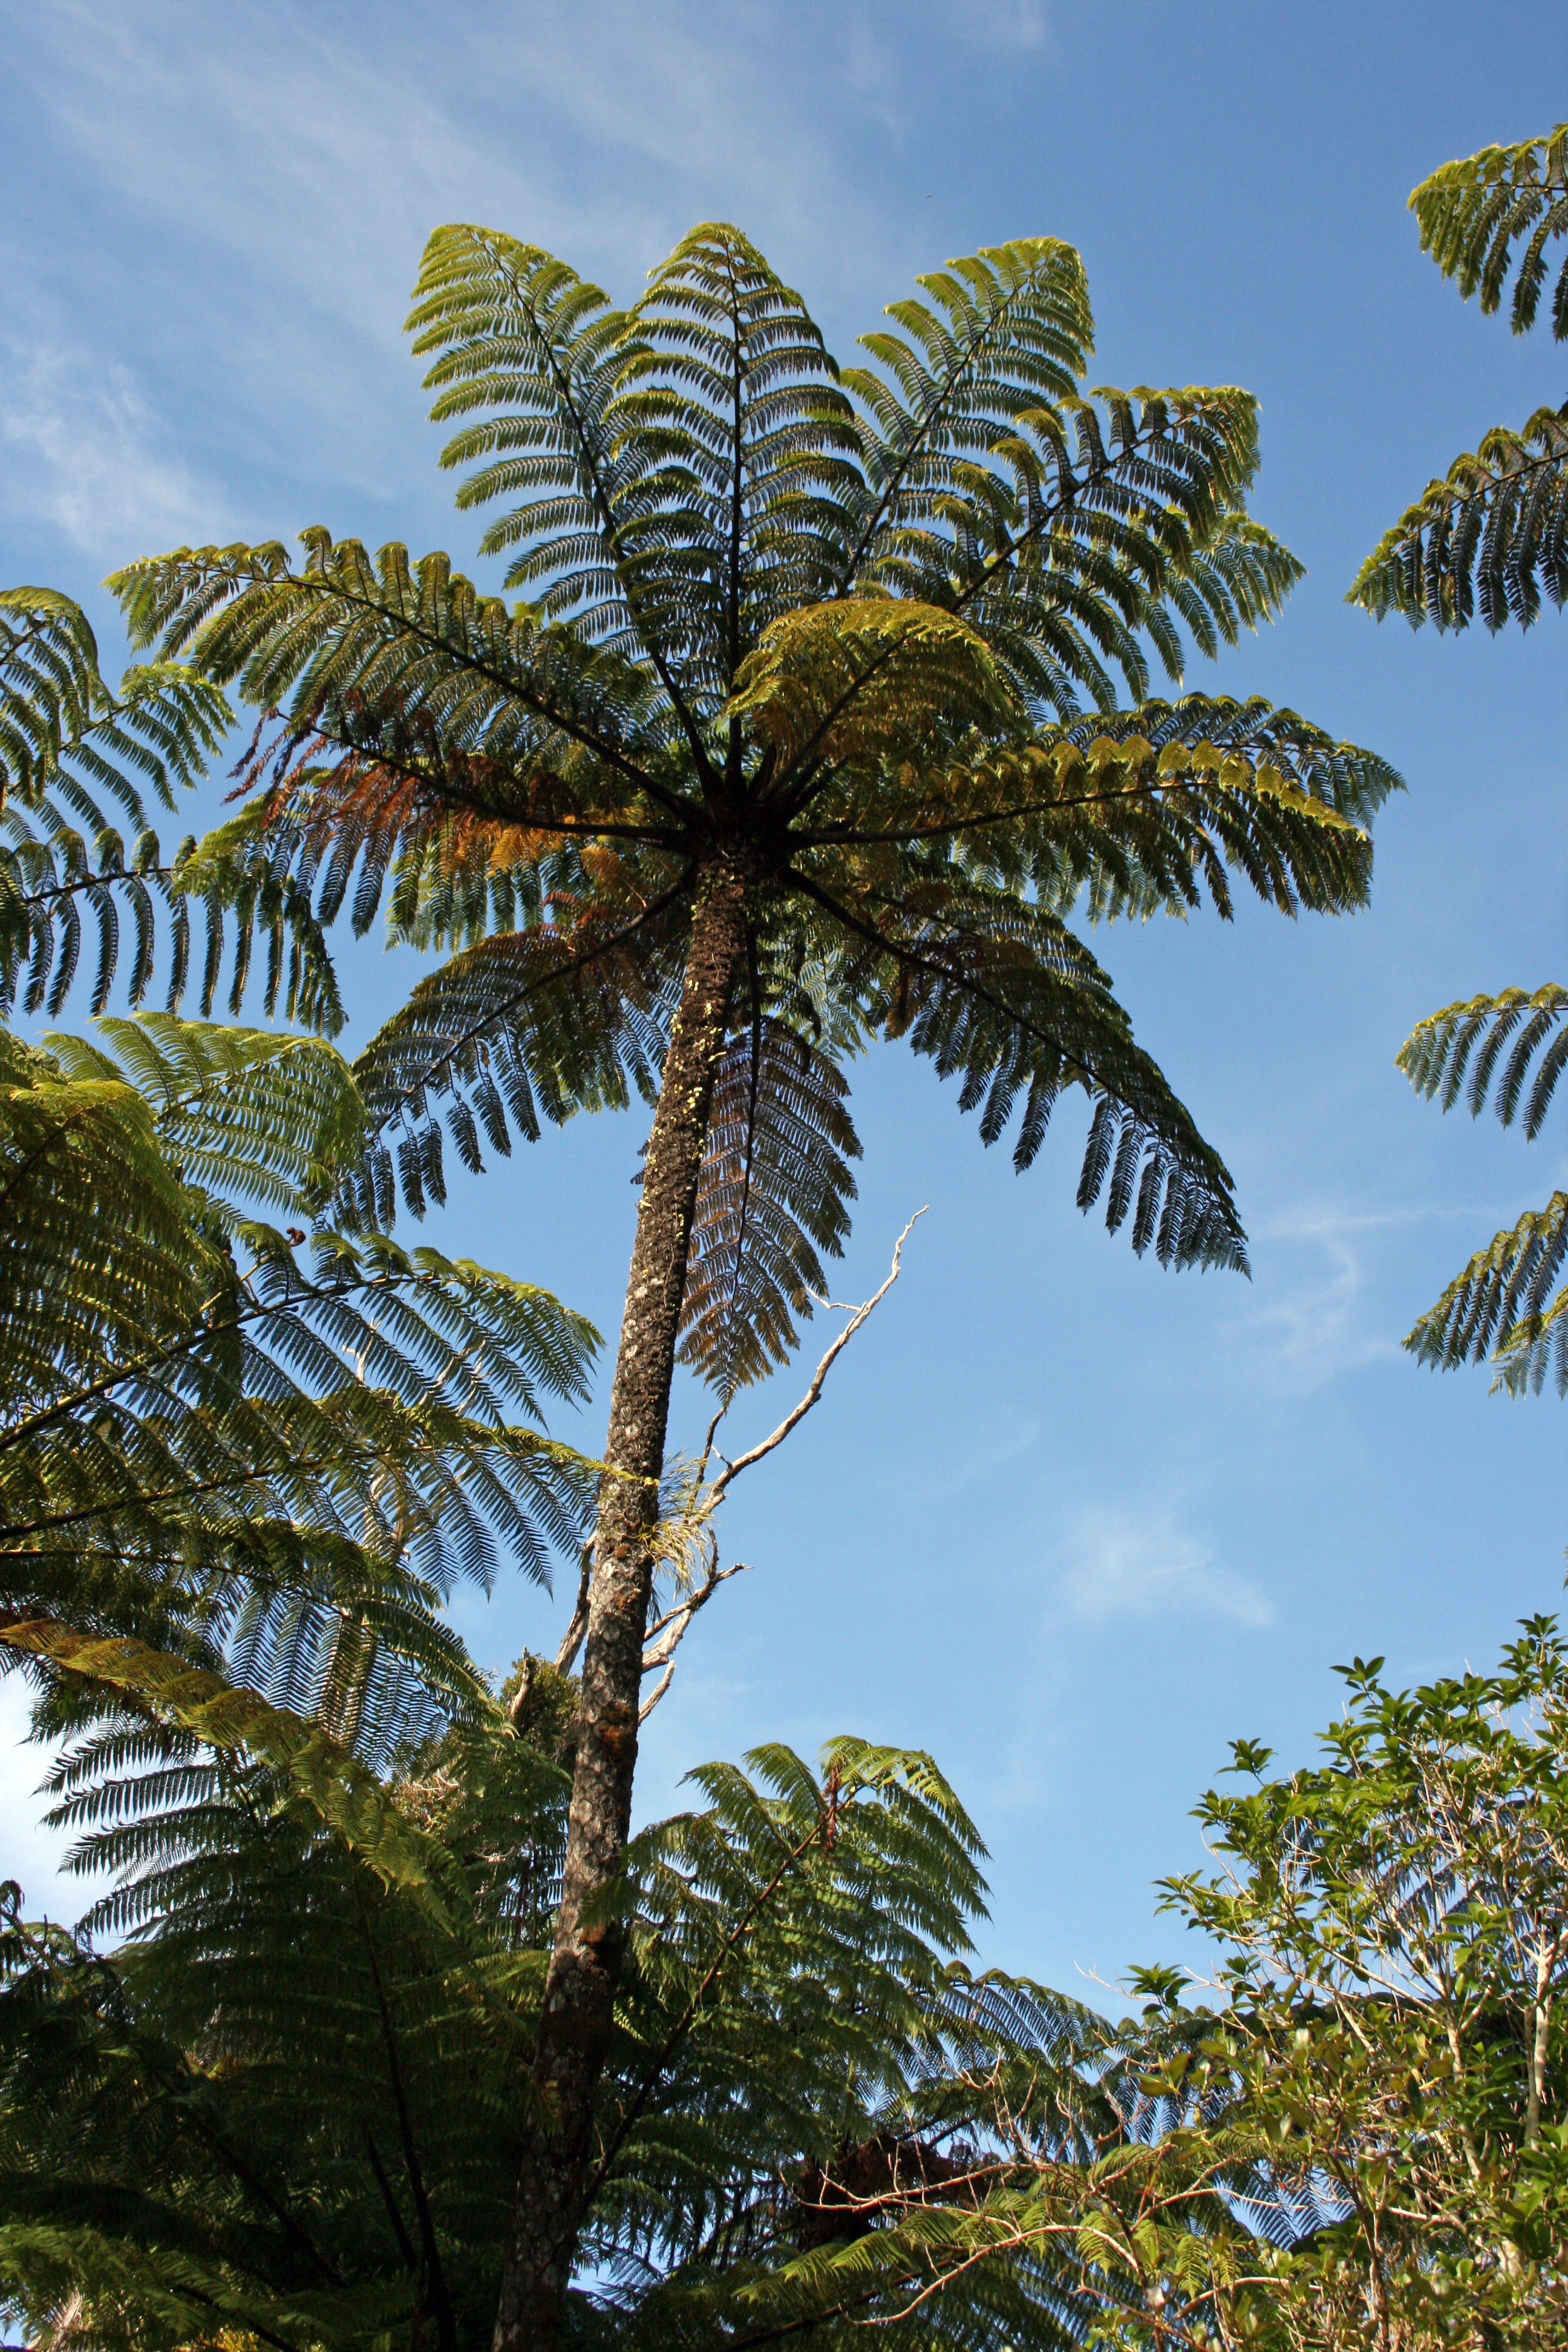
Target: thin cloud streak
1123,1564
80,448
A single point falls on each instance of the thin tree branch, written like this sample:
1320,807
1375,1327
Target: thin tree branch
445,2327
791,1420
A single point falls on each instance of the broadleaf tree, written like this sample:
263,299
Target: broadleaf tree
1488,541
1376,2076
827,699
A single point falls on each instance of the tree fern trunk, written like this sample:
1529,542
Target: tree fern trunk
576,2026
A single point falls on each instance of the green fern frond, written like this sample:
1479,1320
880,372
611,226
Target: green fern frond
775,1189
245,1460
1492,535
246,1115
1473,213
1466,1042
347,1796
67,747
1502,1303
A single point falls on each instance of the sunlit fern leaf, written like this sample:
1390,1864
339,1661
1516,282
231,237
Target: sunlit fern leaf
1151,805
63,733
1502,1300
773,1192
283,1468
1462,1048
834,686
99,1246
1130,813
1473,214
1493,536
1002,331
1536,1344
520,335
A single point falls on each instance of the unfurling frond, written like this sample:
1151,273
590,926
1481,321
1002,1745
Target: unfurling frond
773,1191
1492,534
1472,214
1467,1042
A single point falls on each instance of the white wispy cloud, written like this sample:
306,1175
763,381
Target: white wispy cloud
1119,1562
80,448
1000,23
325,158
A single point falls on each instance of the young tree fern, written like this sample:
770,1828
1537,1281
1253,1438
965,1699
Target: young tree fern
806,731
286,2103
1493,536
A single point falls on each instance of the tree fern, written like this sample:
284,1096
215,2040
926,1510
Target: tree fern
787,750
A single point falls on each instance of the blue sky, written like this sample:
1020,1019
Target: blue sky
1069,1522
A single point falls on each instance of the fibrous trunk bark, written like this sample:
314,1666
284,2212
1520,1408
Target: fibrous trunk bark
579,1995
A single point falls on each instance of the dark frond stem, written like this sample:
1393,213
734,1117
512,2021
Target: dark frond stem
436,2280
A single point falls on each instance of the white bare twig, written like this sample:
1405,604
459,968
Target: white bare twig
670,1631
572,1641
857,1316
666,1634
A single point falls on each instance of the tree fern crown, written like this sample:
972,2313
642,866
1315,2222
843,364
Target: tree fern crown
861,636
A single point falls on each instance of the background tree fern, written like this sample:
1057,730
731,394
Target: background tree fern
808,730
1493,536
284,2105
